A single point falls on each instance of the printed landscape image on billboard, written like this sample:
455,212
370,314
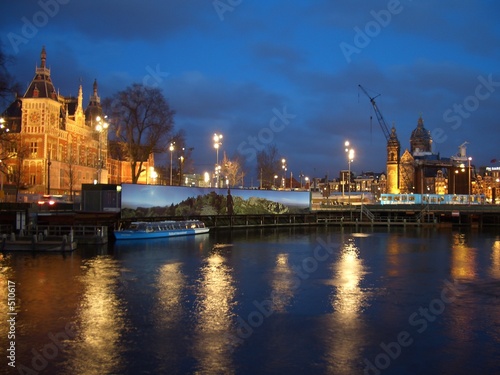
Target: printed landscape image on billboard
161,201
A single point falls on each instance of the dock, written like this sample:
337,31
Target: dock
95,229
360,215
52,238
37,244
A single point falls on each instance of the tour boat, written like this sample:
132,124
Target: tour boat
142,230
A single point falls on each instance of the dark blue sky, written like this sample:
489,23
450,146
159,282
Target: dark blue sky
282,72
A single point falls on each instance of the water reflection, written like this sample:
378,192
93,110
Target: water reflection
347,330
100,324
171,284
5,276
282,283
214,312
495,260
349,271
394,267
463,258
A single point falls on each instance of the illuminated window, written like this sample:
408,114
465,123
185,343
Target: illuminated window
34,148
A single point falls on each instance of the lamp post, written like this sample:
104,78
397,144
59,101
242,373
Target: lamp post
100,128
350,158
217,143
3,129
48,175
283,167
454,181
181,162
469,160
171,148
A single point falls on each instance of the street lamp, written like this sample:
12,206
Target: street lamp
469,160
455,181
171,148
181,162
3,129
283,167
217,143
350,158
100,128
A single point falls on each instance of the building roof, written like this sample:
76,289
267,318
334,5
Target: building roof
41,86
421,139
94,108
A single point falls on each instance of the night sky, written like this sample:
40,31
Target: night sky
281,72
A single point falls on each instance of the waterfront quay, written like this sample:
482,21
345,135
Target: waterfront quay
358,215
93,227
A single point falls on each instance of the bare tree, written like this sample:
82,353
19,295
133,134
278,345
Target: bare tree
231,170
268,165
7,83
14,165
143,121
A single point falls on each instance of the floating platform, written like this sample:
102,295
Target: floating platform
52,245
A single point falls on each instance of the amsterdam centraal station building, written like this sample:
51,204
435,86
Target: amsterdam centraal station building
52,144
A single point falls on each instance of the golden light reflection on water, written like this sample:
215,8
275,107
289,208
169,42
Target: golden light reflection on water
171,283
215,304
282,283
5,274
393,257
347,329
463,258
100,324
349,271
495,260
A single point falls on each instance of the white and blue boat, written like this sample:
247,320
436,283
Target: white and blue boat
143,230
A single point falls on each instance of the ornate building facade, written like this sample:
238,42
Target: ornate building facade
403,173
54,145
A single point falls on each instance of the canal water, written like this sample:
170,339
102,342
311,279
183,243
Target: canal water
271,301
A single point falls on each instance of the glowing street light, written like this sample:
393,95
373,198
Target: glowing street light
217,143
100,128
171,148
350,158
283,167
454,181
469,160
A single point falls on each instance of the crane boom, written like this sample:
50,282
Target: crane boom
405,183
380,118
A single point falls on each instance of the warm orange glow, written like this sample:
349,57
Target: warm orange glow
463,258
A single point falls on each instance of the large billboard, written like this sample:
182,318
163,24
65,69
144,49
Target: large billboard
161,201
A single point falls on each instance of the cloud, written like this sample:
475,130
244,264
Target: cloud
151,21
228,76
